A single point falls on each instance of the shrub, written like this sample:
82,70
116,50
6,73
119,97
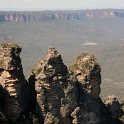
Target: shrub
9,44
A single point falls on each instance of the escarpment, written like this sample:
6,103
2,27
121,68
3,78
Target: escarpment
53,94
59,15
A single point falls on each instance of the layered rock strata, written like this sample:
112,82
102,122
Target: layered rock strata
88,73
59,15
56,89
69,96
53,94
12,80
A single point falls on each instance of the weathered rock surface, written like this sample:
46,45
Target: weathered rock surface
69,97
54,94
56,89
12,81
88,74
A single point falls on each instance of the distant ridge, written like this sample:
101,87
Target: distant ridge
39,16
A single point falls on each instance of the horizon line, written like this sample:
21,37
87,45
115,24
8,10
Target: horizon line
64,9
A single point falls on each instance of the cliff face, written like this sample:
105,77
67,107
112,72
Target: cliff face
53,94
56,90
88,74
62,15
10,78
12,81
69,96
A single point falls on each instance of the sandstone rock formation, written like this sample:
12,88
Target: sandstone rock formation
88,74
69,97
12,81
53,94
56,89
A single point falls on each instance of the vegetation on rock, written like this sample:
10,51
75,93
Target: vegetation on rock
53,94
9,45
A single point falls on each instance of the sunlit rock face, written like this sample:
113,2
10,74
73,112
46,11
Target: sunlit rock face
56,89
12,80
88,74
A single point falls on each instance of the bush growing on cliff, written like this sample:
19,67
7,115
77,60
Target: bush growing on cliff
86,62
9,44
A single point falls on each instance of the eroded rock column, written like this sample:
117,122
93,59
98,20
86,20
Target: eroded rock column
88,74
55,88
11,79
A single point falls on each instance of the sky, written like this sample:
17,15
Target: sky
59,4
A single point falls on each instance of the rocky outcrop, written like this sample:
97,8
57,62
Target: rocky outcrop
12,81
53,94
8,80
88,74
68,96
56,89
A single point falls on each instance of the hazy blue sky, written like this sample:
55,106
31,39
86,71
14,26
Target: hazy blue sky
59,4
